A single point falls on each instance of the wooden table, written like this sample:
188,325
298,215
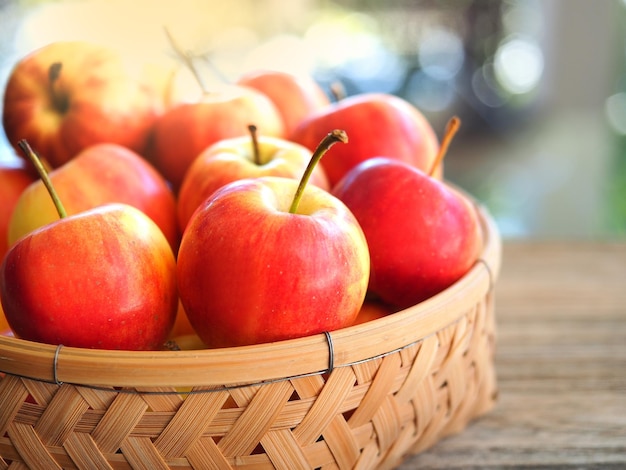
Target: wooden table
561,364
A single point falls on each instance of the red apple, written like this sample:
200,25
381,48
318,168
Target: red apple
422,234
378,125
186,130
295,96
67,96
238,158
15,176
100,174
264,260
104,278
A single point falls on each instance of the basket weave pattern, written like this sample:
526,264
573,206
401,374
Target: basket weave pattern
394,387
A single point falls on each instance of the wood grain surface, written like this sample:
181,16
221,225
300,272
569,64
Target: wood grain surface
561,364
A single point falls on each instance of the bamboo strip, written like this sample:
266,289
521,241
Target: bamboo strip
142,455
284,451
118,422
85,453
189,422
28,444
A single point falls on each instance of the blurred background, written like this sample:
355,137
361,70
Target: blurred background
540,86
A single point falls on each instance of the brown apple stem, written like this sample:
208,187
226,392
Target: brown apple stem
451,129
327,142
255,144
186,58
43,174
58,100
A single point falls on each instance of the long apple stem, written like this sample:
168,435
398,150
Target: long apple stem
255,144
451,129
59,102
187,59
327,142
43,174
215,69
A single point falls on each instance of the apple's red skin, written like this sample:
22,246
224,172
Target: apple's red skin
250,272
377,124
100,174
104,103
422,235
295,96
14,179
186,130
105,278
233,159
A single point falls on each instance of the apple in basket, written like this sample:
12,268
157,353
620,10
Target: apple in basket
422,234
104,278
242,157
101,173
296,96
378,124
187,129
69,95
270,258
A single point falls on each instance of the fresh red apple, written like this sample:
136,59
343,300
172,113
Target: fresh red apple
186,130
15,176
422,234
378,124
238,158
104,278
266,259
100,174
67,96
295,96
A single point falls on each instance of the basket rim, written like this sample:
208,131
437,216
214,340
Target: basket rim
260,363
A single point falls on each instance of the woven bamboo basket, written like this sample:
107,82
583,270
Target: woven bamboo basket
361,397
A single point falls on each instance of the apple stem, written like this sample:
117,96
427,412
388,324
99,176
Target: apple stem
451,129
58,100
186,58
215,69
43,174
255,144
327,142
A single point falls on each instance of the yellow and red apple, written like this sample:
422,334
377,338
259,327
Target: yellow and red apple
69,95
187,129
103,278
